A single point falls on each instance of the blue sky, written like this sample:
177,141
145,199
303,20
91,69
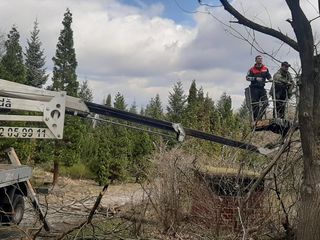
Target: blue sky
178,10
181,11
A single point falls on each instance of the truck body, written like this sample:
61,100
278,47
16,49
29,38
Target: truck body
13,188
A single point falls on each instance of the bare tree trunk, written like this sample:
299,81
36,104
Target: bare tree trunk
309,211
56,167
309,112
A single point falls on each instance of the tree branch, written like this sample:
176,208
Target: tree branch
266,30
272,163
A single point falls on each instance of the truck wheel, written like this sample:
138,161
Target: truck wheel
15,211
18,209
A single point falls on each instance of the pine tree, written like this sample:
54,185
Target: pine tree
119,102
224,106
133,108
65,79
120,145
243,118
193,92
141,147
2,45
108,100
200,95
65,63
142,111
225,114
85,92
243,112
35,60
209,109
12,62
190,118
154,108
99,151
176,102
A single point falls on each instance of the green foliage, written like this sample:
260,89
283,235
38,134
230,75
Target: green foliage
45,151
108,101
35,60
65,63
225,114
176,103
97,153
85,93
25,148
192,97
12,67
119,102
190,117
243,112
120,152
77,171
142,147
133,108
142,112
2,45
74,132
154,108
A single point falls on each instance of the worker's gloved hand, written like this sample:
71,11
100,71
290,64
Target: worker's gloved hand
259,79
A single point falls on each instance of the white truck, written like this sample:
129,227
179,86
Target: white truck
49,108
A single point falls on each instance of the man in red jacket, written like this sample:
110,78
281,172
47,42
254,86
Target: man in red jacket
258,75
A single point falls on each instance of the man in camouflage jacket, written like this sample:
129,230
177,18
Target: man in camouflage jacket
283,85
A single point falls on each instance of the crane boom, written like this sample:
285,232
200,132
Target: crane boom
54,104
168,126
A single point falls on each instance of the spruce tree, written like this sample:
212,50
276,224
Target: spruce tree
99,156
208,114
190,118
65,79
193,92
142,111
154,108
243,111
12,62
176,103
225,113
65,63
35,60
142,146
133,108
119,102
108,100
2,45
85,92
120,145
224,106
200,95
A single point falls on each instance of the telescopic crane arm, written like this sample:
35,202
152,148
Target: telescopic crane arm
51,107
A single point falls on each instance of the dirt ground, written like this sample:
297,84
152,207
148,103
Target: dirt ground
69,203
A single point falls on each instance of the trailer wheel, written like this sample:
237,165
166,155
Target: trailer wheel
18,209
15,211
